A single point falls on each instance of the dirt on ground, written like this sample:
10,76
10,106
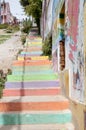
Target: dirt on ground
9,50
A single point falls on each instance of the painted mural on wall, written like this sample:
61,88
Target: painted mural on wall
85,42
49,19
57,29
75,39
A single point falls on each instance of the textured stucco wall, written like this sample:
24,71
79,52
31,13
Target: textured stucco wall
78,108
75,50
85,46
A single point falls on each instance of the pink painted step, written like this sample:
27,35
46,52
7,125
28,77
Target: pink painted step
31,92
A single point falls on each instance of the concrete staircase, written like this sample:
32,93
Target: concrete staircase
32,98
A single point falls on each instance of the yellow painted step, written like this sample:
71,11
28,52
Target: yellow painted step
34,58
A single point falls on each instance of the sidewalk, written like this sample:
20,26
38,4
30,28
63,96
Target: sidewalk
9,50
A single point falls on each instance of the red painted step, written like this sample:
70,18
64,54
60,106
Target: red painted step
31,92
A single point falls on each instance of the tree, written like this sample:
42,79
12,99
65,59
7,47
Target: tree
24,2
47,46
33,8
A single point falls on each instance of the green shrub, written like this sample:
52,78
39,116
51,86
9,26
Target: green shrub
16,27
12,28
9,72
3,26
2,81
26,26
23,39
47,47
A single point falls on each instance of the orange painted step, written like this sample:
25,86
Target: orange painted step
40,61
33,106
29,92
32,49
29,63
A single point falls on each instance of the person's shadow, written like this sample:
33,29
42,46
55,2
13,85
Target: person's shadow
10,119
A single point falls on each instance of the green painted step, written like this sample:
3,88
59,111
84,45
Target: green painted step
32,52
28,118
31,73
31,68
31,77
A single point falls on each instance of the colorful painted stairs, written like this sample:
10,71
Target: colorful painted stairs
32,98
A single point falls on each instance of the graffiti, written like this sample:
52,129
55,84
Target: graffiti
49,18
73,12
58,22
74,30
57,29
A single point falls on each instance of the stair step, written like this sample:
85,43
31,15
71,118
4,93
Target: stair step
31,73
29,92
13,78
24,118
31,49
32,52
33,58
29,63
37,46
31,68
55,98
31,43
33,84
36,103
38,54
36,42
67,126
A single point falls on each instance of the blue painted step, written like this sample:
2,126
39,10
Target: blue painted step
28,118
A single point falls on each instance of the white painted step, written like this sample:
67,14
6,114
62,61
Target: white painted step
68,126
55,98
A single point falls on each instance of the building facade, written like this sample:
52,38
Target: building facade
6,16
68,28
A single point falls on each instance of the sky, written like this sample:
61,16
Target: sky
16,9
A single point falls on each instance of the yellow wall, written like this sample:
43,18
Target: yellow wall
64,81
76,108
78,114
